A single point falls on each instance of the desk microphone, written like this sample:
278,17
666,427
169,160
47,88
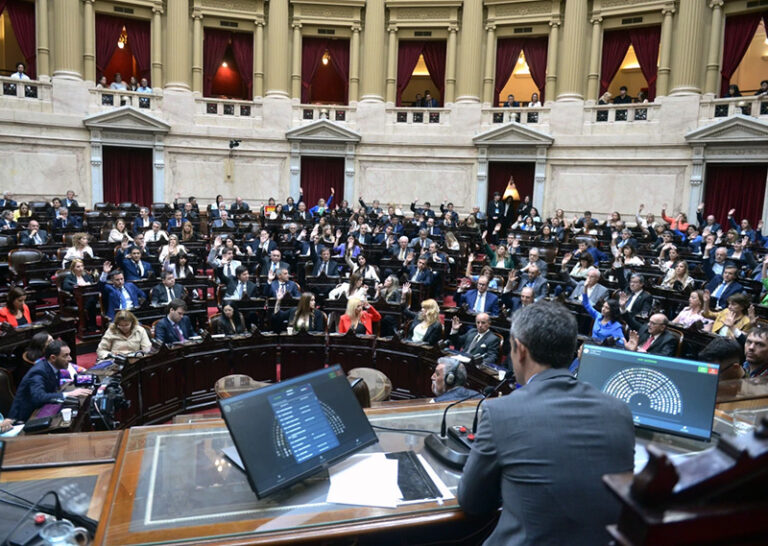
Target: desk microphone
448,451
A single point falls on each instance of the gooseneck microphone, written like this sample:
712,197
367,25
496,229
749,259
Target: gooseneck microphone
447,450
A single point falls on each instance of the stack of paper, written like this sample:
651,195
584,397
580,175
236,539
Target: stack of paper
365,480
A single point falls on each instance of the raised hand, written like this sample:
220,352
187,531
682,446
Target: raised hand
752,314
700,207
333,191
455,323
471,257
664,206
567,258
106,267
642,206
633,341
623,299
497,228
731,212
729,319
706,297
406,287
217,241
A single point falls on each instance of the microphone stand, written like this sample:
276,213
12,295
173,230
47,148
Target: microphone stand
440,446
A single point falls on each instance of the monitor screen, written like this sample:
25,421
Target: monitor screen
664,393
290,430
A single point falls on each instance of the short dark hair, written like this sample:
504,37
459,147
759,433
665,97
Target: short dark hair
239,270
177,303
22,63
740,299
623,88
54,348
115,272
549,332
722,349
760,331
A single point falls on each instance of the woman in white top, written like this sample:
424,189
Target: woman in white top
451,242
626,254
534,102
692,314
362,267
172,248
78,249
672,256
677,278
119,232
354,288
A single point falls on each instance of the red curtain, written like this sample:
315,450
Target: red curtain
127,175
507,53
339,52
535,50
242,49
615,46
312,53
108,30
407,56
215,45
500,171
741,187
138,34
319,175
434,58
645,42
739,31
22,15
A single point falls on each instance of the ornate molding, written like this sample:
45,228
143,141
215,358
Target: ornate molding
327,12
356,27
296,25
453,27
596,20
392,28
668,10
621,3
523,9
421,14
555,23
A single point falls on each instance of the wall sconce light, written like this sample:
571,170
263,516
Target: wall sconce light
326,57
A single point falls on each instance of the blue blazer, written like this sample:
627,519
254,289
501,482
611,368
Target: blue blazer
40,386
731,289
165,332
491,301
112,297
424,277
131,270
291,287
137,227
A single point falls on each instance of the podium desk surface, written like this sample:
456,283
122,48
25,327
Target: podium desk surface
172,483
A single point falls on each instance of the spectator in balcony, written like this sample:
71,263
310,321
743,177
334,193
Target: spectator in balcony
642,98
418,102
763,91
102,83
6,220
79,249
22,212
118,84
605,98
511,102
534,102
429,101
623,97
733,91
133,84
33,235
20,72
144,87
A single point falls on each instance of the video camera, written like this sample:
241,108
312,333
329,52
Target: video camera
108,398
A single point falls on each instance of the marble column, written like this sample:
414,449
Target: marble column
469,75
372,84
296,63
712,84
197,51
665,51
43,51
278,46
89,42
258,59
688,48
550,88
490,66
157,46
177,42
67,40
595,50
354,64
392,65
571,84
450,65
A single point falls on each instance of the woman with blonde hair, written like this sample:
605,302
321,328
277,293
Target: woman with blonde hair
451,242
359,317
172,248
79,249
677,278
425,327
124,336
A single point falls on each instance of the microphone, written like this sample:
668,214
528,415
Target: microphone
448,451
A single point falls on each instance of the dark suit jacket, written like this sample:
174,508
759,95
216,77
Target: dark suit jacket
731,289
222,326
524,452
40,386
131,270
491,301
60,223
290,286
333,268
165,332
112,297
251,289
26,240
69,282
317,324
424,277
433,335
139,228
642,305
487,346
267,264
159,295
539,286
72,204
665,344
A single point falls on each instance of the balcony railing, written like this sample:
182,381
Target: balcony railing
106,99
25,89
711,109
226,107
525,116
418,116
621,113
307,113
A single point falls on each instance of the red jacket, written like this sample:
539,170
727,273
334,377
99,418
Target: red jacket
7,316
367,317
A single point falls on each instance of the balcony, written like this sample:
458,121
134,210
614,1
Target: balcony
525,116
24,91
418,116
226,108
713,109
106,99
307,113
621,113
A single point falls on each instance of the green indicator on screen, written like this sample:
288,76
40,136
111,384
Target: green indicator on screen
703,369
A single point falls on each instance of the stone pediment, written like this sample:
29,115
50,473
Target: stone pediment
126,118
513,134
323,130
734,129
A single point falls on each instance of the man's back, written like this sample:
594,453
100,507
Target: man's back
542,451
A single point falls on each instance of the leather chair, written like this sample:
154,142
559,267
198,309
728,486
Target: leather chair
6,391
19,259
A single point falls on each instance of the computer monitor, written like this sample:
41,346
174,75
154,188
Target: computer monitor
664,393
288,431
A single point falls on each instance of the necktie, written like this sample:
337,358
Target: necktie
228,271
37,240
719,291
178,332
325,268
140,268
474,342
647,344
123,301
402,254
480,303
240,289
168,294
631,302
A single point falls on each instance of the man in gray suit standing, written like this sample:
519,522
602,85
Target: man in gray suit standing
541,451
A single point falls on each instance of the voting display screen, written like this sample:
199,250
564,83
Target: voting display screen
288,431
667,394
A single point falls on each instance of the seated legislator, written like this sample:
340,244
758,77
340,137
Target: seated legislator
478,341
119,294
691,314
124,336
353,288
479,300
425,326
33,235
325,265
528,441
40,385
78,276
651,338
15,312
230,322
359,317
281,286
134,268
79,249
606,322
733,321
176,327
166,291
241,287
449,379
591,286
305,316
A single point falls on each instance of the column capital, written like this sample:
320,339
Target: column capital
490,26
596,19
89,1
259,22
356,27
197,13
392,29
158,9
716,4
296,25
669,9
555,23
453,27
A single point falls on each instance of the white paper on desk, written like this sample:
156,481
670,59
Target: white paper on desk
15,430
365,480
